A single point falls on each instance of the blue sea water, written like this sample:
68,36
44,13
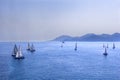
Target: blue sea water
51,62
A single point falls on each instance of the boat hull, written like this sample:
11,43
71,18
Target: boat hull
105,54
19,57
32,50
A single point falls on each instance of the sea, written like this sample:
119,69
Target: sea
50,61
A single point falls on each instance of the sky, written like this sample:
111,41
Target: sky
42,20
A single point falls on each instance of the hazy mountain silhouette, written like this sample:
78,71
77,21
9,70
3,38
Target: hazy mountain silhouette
90,37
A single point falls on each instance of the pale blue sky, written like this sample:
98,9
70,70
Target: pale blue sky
46,19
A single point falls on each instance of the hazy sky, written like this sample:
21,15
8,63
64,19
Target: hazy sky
47,19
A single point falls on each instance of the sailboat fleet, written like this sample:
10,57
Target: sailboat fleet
106,47
17,51
31,48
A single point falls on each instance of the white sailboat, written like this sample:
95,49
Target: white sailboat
19,54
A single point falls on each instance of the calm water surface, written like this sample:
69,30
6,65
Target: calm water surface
51,62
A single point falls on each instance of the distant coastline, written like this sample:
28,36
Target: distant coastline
91,37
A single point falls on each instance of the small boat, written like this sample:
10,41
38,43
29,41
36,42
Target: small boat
32,48
113,46
75,46
19,54
28,47
15,50
105,53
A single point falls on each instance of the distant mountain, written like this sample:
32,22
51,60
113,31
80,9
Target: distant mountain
90,37
64,38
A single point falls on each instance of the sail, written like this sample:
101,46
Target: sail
32,49
17,54
14,50
20,52
28,46
113,46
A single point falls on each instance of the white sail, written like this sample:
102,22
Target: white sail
20,52
17,54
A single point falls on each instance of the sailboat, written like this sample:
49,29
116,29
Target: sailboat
75,46
113,46
28,47
105,53
14,50
19,54
32,48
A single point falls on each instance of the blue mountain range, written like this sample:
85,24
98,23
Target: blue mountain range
90,37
